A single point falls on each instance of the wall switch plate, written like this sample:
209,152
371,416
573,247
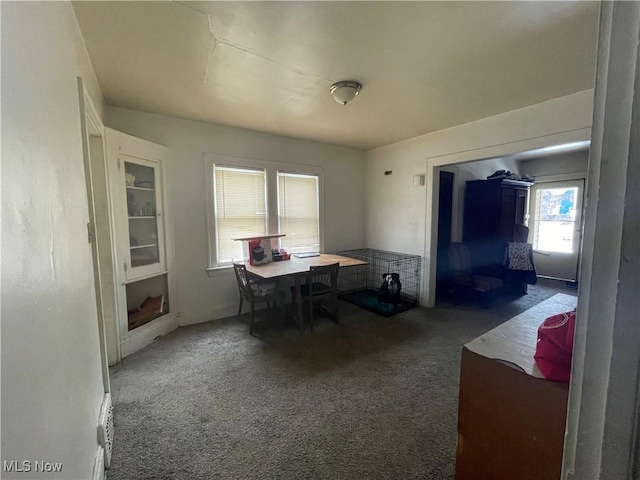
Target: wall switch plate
418,180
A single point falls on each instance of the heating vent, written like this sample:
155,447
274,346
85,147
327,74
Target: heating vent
105,428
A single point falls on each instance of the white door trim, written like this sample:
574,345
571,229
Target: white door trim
601,442
90,121
561,177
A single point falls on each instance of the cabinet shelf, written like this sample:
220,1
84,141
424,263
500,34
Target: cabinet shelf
136,247
135,217
145,277
146,189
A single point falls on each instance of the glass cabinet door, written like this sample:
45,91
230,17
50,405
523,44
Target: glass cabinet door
142,184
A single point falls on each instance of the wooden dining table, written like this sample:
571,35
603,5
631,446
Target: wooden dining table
297,268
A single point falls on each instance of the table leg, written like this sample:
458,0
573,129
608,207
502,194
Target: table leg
298,292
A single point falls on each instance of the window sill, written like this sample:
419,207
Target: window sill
220,271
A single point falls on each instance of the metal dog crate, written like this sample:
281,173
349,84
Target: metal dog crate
379,262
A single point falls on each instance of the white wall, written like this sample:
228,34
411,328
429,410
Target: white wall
393,205
51,369
201,298
575,162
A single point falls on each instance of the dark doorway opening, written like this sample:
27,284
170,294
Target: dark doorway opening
445,212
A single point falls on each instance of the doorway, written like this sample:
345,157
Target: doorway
445,223
99,231
555,223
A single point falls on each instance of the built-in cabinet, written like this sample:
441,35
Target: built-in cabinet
143,240
142,181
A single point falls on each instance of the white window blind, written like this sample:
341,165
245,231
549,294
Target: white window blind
240,208
298,212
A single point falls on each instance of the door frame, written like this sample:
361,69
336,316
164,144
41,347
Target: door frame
603,436
428,274
567,177
91,125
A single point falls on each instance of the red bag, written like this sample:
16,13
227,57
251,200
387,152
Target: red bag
555,346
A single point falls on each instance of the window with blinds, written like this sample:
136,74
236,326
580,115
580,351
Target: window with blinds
240,209
298,214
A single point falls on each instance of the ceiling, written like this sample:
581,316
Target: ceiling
268,66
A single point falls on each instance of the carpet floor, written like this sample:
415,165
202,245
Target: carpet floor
369,398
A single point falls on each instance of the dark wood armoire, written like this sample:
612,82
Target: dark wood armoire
492,208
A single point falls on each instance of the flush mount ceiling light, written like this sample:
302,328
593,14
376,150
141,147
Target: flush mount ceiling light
345,91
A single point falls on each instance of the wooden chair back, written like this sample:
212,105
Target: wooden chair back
242,278
323,280
459,258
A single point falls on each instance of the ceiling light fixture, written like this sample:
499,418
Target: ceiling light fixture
345,91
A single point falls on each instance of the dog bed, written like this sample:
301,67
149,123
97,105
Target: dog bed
368,299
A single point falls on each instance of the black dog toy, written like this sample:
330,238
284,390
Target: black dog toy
390,288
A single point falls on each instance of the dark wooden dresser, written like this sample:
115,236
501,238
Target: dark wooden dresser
492,208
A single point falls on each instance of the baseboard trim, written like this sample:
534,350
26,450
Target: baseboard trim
98,465
213,314
219,313
146,334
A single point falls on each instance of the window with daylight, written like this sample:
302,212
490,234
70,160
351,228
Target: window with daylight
251,198
298,212
555,220
240,209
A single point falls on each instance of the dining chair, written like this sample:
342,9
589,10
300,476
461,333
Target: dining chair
321,288
254,291
466,281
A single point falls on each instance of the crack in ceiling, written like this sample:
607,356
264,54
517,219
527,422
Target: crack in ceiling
270,60
212,50
267,66
218,41
214,41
